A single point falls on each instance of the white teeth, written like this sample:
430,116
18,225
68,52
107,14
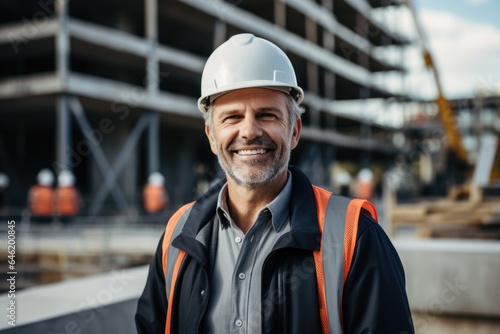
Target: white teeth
250,152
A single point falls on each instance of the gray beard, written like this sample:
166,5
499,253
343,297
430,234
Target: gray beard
260,179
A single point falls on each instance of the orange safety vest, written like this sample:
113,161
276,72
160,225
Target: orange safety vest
41,200
154,198
330,284
364,189
67,201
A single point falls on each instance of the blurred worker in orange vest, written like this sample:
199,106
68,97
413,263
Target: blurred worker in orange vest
154,195
68,200
344,183
41,197
364,184
4,184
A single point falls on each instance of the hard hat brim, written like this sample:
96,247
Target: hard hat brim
297,93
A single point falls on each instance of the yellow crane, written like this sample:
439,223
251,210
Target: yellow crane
444,110
444,217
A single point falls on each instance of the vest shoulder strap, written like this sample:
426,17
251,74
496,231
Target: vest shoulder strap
173,228
337,248
172,257
351,228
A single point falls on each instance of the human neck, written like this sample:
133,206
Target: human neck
245,203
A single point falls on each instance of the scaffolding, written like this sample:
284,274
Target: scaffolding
108,89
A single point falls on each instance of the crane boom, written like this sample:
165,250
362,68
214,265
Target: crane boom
444,110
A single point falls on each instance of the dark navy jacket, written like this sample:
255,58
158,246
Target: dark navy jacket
374,298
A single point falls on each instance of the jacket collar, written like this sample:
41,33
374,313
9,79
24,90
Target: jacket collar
304,232
277,209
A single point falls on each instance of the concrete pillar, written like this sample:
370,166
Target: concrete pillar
280,13
62,41
153,149
63,136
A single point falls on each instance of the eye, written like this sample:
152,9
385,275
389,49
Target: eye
267,116
232,118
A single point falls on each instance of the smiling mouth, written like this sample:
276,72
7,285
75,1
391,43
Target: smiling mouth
251,152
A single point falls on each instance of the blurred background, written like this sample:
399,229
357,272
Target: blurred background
101,141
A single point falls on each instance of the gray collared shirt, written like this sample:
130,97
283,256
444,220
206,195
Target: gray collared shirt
235,289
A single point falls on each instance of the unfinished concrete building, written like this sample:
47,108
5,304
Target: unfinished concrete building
108,89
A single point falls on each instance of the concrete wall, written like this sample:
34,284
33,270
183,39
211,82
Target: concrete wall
452,277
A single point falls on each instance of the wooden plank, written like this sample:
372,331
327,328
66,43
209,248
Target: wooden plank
446,217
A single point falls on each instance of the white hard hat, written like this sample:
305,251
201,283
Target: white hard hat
156,178
4,181
45,177
246,61
65,178
344,177
365,175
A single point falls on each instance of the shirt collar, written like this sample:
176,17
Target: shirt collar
279,207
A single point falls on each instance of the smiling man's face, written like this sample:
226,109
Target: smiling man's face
251,135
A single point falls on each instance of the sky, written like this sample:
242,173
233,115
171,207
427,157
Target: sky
464,41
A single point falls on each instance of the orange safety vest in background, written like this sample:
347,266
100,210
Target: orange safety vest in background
41,200
67,201
364,190
154,198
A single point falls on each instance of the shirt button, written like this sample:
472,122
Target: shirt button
238,323
202,292
241,275
237,239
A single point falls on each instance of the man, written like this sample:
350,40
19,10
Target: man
41,197
365,185
68,199
155,198
258,253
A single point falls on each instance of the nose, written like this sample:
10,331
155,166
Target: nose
250,127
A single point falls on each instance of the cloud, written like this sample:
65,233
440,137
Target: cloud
466,53
476,2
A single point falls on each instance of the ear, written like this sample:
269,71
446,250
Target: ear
296,130
211,139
